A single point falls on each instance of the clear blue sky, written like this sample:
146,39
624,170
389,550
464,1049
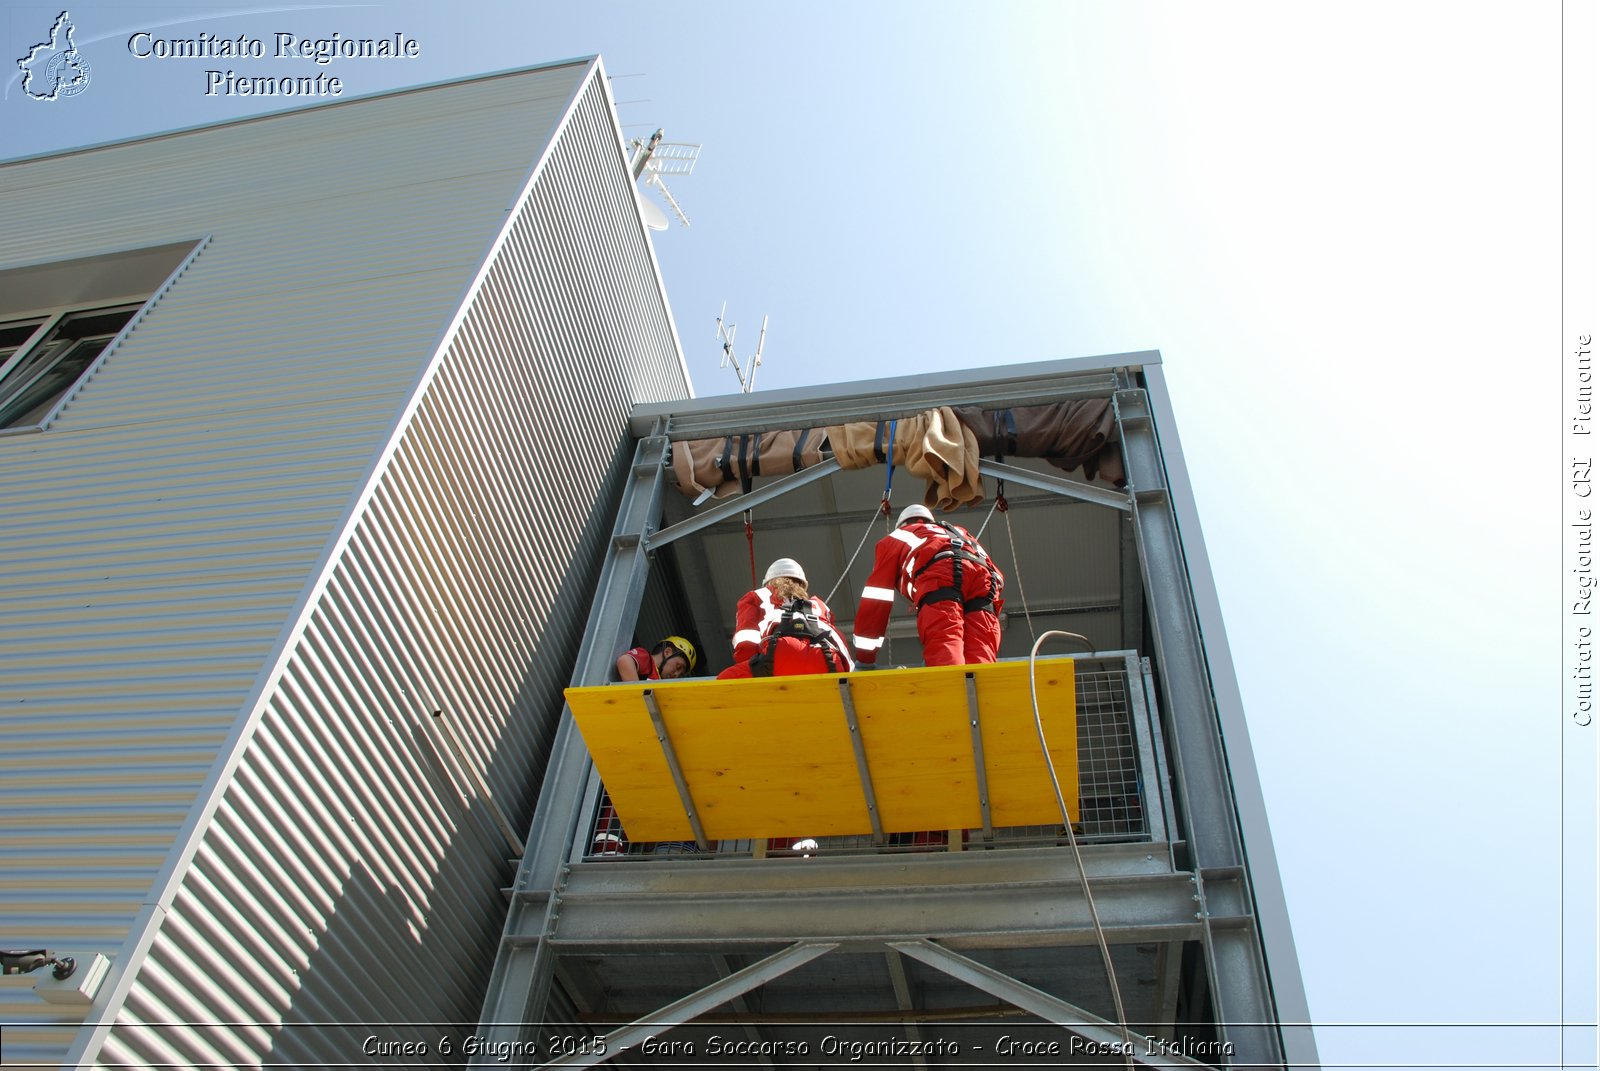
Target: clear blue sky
1342,228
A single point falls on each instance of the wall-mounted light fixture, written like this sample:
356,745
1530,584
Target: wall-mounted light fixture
65,982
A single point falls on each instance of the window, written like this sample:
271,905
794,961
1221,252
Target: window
42,358
57,320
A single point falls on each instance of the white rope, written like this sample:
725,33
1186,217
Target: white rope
1016,570
842,576
1072,839
985,526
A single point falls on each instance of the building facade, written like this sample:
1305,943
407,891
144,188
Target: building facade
292,566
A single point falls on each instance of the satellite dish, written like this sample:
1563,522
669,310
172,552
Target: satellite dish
654,218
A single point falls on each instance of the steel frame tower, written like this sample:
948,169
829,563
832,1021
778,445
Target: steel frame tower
1202,885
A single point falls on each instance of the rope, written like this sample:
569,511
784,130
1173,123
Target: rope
1016,563
883,508
999,504
1072,839
985,525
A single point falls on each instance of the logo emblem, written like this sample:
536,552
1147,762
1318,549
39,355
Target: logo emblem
54,68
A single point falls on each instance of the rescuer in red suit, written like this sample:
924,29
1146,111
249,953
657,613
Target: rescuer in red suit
781,629
947,577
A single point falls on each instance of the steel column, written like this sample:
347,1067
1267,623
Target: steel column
520,982
1236,963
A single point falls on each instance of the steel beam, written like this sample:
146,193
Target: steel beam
843,403
836,519
902,999
617,906
1155,787
1184,677
1102,1032
1061,485
732,507
703,1000
742,1007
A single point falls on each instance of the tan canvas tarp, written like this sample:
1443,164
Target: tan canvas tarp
725,465
933,445
1069,435
942,446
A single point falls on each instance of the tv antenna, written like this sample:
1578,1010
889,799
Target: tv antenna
747,374
650,162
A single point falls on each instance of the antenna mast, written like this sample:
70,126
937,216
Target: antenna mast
653,159
747,374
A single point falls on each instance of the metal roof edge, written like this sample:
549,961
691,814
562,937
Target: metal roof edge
638,211
296,110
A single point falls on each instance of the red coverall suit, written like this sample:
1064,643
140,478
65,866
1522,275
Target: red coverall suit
645,662
955,590
758,613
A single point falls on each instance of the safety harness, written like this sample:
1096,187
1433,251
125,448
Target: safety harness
957,553
796,620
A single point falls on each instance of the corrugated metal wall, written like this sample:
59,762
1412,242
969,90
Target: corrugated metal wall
157,541
360,874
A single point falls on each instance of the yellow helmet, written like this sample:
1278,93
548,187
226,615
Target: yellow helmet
685,648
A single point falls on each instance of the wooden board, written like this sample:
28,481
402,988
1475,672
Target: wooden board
773,757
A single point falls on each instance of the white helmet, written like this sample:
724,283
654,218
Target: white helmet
913,513
784,567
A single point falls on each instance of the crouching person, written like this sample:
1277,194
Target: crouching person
670,659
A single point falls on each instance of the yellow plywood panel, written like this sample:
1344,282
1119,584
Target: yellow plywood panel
773,757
